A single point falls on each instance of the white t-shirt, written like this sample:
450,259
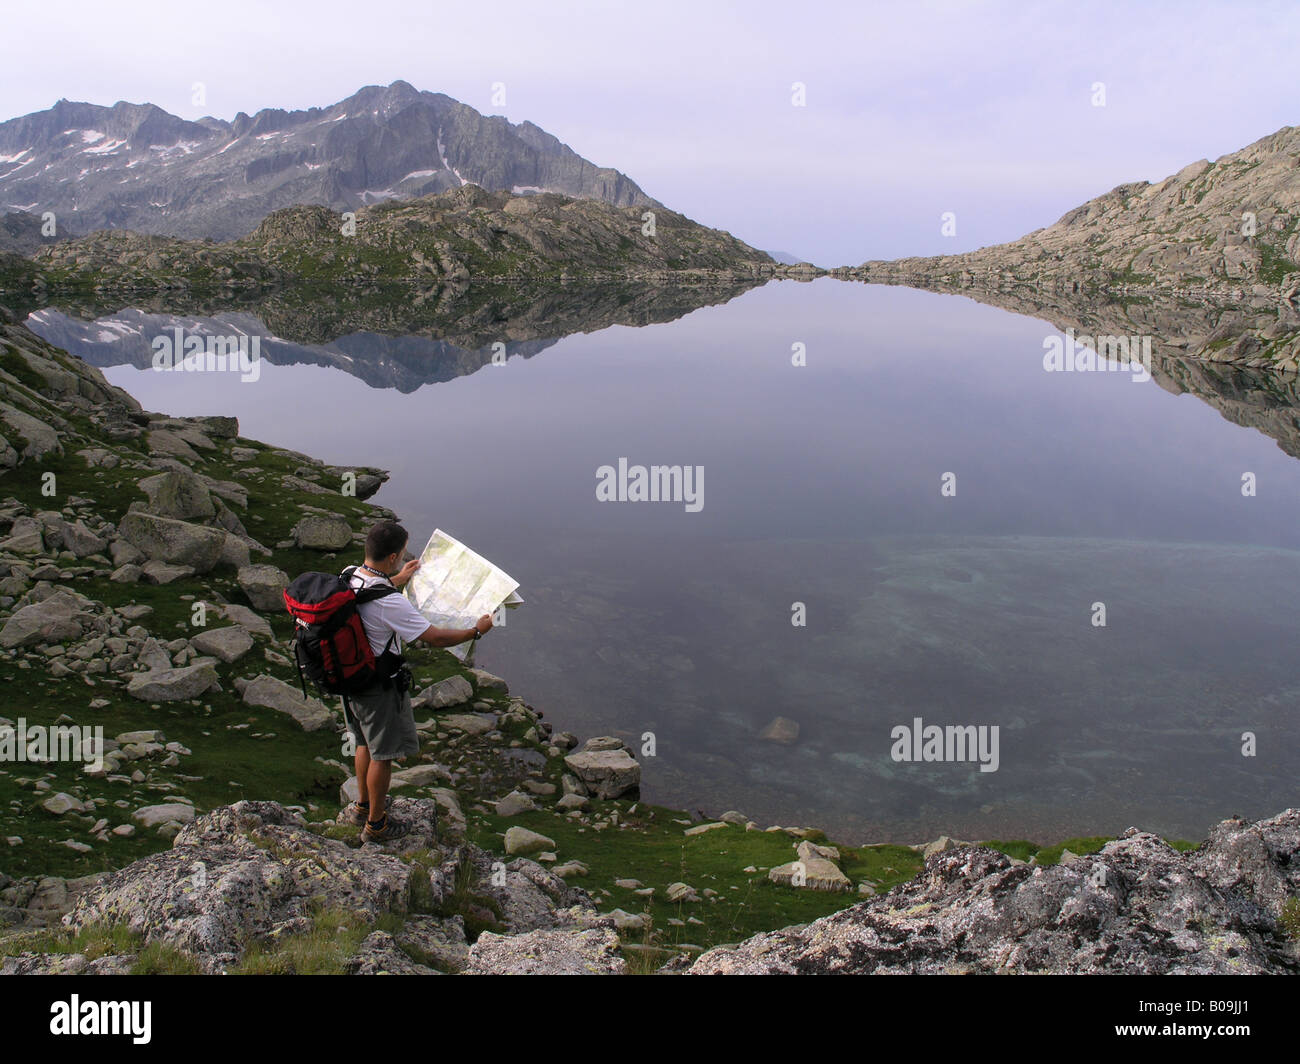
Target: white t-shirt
388,616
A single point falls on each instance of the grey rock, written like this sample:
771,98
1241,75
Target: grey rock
245,618
268,692
60,618
515,803
156,571
229,644
175,542
1137,907
562,951
172,685
452,691
605,774
522,841
264,585
179,494
236,874
323,532
152,816
379,954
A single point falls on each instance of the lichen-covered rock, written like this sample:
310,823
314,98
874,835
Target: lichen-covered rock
563,951
241,871
264,585
176,542
323,532
178,494
1137,907
379,954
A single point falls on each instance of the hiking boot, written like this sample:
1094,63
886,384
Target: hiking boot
359,814
389,830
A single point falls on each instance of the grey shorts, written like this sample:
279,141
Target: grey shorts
381,720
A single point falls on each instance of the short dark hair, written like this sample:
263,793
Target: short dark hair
385,538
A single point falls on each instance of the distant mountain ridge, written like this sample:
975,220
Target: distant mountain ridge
1232,225
135,166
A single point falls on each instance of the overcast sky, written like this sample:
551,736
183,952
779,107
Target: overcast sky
912,109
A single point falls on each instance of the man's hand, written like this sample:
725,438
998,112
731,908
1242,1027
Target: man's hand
406,572
484,624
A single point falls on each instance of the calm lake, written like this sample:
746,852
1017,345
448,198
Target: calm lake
822,486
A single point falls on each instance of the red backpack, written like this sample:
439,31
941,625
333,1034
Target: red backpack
329,642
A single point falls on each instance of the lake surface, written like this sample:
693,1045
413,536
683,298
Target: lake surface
822,486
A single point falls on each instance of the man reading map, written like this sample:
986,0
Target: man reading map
380,717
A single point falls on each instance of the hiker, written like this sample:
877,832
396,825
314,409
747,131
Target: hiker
379,717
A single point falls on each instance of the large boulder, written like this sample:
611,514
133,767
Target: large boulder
25,537
175,542
270,693
264,585
41,439
59,618
229,644
74,536
605,773
172,685
179,494
323,532
453,691
251,871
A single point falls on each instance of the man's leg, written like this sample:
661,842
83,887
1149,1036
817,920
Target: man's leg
362,765
378,777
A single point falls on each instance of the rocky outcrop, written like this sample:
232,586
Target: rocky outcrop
254,873
433,243
1213,241
1137,907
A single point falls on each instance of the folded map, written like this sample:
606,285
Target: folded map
454,587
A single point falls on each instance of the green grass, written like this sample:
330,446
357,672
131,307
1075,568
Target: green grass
324,950
654,850
1290,920
1273,263
97,940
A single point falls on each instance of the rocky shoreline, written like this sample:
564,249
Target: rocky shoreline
141,559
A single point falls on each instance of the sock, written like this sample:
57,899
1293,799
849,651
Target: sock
376,824
364,805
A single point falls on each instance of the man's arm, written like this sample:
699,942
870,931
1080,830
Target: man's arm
450,637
